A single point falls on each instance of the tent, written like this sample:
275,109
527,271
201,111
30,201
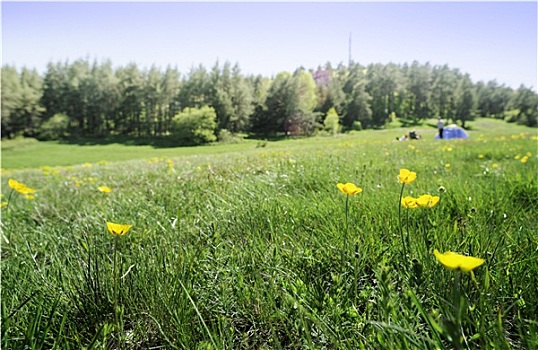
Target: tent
453,131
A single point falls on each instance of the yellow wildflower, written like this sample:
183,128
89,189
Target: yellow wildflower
427,201
118,229
104,189
91,179
349,188
455,261
29,196
406,176
409,202
524,159
3,204
19,187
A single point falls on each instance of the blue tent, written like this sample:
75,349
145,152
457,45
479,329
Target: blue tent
453,131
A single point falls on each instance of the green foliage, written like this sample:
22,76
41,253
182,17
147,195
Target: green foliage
195,126
492,99
512,115
332,122
385,84
21,108
55,128
231,98
357,126
465,100
358,99
289,106
103,101
526,102
226,137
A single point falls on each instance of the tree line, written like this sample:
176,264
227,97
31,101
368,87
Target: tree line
94,99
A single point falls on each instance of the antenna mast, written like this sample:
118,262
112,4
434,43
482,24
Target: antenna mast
349,57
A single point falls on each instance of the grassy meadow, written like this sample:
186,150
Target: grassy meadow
245,247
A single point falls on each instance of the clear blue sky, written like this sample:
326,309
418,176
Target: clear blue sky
488,40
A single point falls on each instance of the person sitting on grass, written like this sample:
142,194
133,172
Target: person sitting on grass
414,136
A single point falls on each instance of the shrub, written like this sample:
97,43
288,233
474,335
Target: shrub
225,136
54,128
194,126
330,123
357,126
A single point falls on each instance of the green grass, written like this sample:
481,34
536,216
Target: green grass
238,247
29,153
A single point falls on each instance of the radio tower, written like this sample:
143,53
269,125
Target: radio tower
349,57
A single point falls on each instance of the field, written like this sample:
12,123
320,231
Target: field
253,245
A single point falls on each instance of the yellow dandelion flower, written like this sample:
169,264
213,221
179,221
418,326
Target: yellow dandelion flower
29,196
118,229
447,165
104,189
409,202
349,188
406,176
517,156
480,156
87,165
528,154
455,261
524,159
494,165
3,204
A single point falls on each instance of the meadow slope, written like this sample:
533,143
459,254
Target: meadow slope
246,247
